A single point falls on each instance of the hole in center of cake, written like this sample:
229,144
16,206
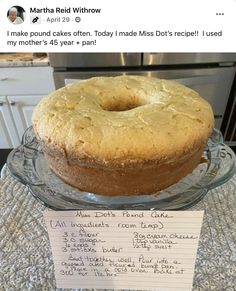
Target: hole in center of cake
122,105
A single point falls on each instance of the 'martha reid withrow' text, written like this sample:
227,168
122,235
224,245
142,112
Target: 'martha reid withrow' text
65,10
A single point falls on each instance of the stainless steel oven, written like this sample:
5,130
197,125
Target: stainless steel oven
209,74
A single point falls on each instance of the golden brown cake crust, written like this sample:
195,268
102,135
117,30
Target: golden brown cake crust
124,181
119,124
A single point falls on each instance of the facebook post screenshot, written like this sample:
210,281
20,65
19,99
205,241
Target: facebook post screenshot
117,145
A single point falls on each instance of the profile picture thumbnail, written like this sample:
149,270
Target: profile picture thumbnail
16,14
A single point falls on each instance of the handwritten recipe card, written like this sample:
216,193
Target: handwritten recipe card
141,250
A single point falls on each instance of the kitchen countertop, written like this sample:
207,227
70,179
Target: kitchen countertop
23,60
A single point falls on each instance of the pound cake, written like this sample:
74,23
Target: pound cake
124,135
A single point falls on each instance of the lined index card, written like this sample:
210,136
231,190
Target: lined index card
141,250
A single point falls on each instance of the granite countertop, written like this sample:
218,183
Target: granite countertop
23,60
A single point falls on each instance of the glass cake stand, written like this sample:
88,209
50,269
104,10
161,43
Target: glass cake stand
28,164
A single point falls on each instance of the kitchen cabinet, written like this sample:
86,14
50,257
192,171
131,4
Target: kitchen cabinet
21,89
22,108
26,80
8,134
